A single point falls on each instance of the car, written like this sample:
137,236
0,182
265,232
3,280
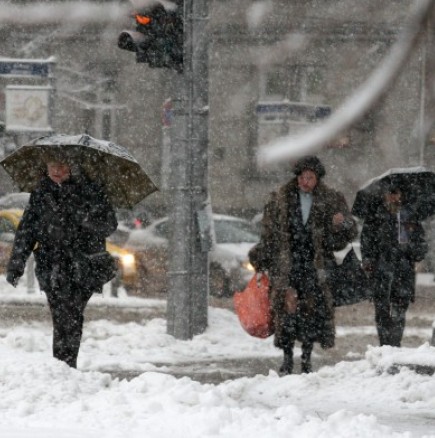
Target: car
137,217
256,220
230,269
9,220
17,200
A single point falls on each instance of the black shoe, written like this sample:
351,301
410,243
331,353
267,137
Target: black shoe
287,366
306,367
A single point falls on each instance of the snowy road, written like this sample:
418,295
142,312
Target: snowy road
351,394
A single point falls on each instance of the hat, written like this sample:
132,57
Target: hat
312,163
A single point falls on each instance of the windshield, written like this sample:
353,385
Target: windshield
228,231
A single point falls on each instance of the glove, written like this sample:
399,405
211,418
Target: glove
291,301
12,277
368,267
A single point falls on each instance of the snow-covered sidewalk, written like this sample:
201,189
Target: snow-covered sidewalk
43,398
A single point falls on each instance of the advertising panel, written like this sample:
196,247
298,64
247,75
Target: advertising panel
28,108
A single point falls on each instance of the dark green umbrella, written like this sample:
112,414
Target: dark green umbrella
108,163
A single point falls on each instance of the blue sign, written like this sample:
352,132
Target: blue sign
297,109
24,68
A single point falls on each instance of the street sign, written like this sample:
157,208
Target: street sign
28,108
13,68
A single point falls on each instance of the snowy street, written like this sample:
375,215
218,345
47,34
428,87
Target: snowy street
41,397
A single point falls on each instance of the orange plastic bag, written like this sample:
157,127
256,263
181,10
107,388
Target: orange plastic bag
253,307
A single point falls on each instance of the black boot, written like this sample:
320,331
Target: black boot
306,366
287,365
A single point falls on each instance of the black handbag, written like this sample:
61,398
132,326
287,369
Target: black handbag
349,283
94,270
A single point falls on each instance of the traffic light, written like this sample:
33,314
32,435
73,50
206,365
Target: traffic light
158,38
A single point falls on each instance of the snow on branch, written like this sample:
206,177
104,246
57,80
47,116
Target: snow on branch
359,103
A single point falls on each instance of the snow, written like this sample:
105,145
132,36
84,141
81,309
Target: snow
355,106
43,398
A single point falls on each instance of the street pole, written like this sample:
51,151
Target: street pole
188,186
427,156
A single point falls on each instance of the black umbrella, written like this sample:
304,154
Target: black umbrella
417,185
125,182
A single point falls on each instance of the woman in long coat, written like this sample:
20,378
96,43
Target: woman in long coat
304,222
68,216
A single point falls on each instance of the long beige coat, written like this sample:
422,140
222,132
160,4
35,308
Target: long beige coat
273,252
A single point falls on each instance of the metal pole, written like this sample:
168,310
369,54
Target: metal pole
53,91
188,264
422,135
31,275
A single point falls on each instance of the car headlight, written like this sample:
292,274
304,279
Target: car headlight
128,263
247,265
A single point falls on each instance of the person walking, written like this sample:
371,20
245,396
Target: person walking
67,216
303,223
392,241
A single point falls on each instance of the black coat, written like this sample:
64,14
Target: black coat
60,223
283,251
380,246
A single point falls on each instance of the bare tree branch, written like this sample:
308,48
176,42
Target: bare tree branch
358,104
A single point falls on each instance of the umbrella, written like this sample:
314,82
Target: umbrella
125,182
417,185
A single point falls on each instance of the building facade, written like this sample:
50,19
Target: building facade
276,67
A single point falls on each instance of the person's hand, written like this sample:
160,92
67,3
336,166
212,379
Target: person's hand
341,222
12,277
337,219
368,267
291,300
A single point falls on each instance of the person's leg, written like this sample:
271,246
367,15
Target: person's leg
307,348
401,293
398,321
383,320
289,333
381,300
60,317
287,364
67,308
77,308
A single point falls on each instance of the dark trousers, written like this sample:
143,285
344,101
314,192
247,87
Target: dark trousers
392,294
67,305
289,332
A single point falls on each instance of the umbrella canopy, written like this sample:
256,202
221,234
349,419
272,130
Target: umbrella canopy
417,185
125,182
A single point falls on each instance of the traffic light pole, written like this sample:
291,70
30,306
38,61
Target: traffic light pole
190,215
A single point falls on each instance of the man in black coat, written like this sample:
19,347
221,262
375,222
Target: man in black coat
392,241
68,216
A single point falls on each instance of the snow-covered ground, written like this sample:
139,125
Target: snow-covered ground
43,398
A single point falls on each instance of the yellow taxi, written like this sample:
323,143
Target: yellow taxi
9,220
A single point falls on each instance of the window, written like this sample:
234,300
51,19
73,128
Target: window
297,83
291,101
162,230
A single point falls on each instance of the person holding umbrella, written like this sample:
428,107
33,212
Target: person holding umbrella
75,182
67,218
392,241
304,222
